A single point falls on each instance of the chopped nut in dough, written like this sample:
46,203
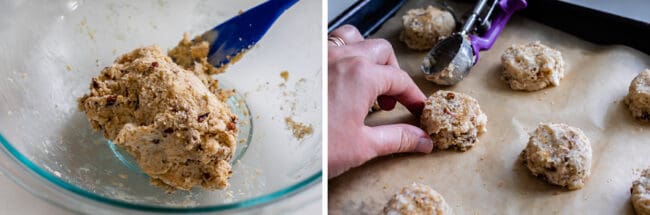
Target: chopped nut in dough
641,193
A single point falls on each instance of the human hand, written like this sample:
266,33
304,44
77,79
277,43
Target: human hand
359,72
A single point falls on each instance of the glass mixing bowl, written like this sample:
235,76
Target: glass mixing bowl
50,51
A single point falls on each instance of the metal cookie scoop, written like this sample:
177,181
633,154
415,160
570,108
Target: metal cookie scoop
452,58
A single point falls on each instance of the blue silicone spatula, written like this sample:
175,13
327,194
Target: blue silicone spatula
241,32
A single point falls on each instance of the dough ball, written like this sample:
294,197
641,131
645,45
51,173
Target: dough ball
559,154
638,97
641,194
532,66
178,131
417,199
453,119
423,27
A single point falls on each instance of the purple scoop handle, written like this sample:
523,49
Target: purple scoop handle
505,9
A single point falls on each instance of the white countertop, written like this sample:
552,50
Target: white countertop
15,200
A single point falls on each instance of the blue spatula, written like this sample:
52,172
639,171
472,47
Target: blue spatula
241,32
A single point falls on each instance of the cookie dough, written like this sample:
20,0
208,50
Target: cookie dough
417,199
424,26
192,55
532,66
179,132
638,97
453,119
641,193
559,154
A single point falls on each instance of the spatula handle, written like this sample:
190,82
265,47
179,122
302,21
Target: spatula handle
504,11
282,5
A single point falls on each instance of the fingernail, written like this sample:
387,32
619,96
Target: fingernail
425,145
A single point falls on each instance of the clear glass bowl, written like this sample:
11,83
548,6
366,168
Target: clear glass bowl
52,49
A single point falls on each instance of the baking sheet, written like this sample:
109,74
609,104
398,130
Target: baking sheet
488,179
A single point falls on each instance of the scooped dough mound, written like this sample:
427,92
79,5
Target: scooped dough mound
178,131
453,119
532,66
641,193
417,199
559,154
424,26
638,97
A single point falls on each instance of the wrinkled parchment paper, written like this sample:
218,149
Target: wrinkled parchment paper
488,179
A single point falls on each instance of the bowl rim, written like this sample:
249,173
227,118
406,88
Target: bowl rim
243,204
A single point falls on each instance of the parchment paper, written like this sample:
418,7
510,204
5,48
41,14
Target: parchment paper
488,179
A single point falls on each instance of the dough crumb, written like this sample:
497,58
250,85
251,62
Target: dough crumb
638,97
84,25
123,176
532,66
417,199
641,193
453,120
423,27
299,130
559,154
192,55
285,75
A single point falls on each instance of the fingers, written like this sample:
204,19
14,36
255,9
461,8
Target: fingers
391,81
392,84
378,51
389,139
348,33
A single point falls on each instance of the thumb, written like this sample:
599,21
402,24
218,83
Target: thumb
389,139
